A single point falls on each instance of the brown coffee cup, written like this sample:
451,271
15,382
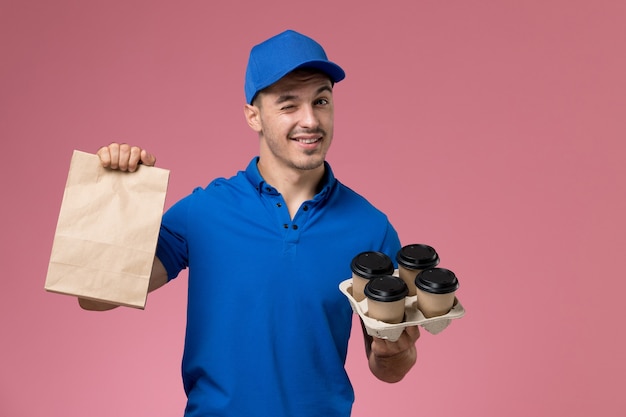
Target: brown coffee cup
386,298
368,265
413,259
436,289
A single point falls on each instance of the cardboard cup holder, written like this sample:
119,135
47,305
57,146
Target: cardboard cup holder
412,316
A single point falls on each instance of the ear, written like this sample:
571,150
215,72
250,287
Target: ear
253,117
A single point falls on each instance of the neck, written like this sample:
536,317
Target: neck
296,186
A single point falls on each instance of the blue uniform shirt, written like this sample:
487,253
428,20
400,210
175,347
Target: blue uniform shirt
267,326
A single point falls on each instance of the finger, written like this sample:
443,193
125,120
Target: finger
124,157
114,153
105,156
385,348
147,158
413,332
134,158
407,339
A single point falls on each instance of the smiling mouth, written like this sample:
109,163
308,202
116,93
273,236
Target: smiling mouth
307,141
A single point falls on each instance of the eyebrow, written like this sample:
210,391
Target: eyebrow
287,97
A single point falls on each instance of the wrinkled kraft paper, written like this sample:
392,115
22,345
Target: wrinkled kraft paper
107,232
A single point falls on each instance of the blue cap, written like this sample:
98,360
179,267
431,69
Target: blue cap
276,57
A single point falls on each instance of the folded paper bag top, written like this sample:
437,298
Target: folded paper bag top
107,232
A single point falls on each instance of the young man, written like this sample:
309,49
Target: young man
267,327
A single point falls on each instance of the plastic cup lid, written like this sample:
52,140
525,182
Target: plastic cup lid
386,288
417,256
437,281
372,264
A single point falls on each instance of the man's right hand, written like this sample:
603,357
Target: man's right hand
124,157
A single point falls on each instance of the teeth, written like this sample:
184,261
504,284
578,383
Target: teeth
307,141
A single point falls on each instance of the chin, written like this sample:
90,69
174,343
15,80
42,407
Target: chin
310,164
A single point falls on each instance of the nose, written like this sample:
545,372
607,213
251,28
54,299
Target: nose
308,117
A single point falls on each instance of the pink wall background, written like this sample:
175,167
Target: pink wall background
507,117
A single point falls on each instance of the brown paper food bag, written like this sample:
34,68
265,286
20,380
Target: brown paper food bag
107,232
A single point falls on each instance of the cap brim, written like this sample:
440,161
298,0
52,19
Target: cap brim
334,71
